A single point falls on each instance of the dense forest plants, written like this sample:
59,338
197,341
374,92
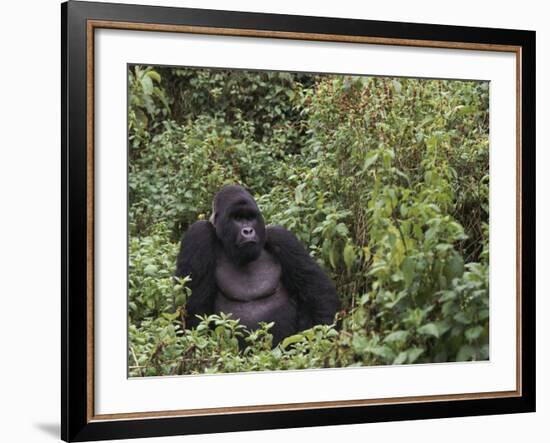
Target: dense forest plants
385,180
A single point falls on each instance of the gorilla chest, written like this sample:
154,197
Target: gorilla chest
254,292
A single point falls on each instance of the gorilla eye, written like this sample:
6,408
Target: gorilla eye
244,215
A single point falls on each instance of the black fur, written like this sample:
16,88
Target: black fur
312,293
303,278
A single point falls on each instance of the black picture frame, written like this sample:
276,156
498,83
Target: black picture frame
77,423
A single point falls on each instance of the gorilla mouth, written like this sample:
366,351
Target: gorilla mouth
247,243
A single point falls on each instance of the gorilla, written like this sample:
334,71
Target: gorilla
238,265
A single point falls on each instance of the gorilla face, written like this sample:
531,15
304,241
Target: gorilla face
239,224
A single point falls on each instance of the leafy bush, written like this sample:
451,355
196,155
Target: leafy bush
385,180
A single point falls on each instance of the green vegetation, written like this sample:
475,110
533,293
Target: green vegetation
385,180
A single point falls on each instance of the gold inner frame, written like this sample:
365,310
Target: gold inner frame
95,24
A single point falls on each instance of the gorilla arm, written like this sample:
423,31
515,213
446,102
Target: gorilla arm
303,278
197,258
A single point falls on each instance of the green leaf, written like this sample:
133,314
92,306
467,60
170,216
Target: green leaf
169,316
382,351
454,268
442,327
150,270
429,329
472,334
447,296
414,353
466,353
154,75
349,256
396,336
369,160
298,195
276,352
147,85
431,233
408,268
342,229
359,344
332,256
483,314
296,338
397,85
461,317
401,358
367,253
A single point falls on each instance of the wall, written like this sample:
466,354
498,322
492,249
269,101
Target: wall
29,218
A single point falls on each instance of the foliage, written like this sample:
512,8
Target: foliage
385,180
147,105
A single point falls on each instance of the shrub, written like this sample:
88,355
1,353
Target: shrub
385,180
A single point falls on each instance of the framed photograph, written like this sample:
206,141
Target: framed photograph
275,221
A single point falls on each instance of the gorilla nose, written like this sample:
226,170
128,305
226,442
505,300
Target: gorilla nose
247,232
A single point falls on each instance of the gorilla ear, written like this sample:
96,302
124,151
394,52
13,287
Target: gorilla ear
213,217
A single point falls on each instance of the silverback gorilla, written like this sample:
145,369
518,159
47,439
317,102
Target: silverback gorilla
257,273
